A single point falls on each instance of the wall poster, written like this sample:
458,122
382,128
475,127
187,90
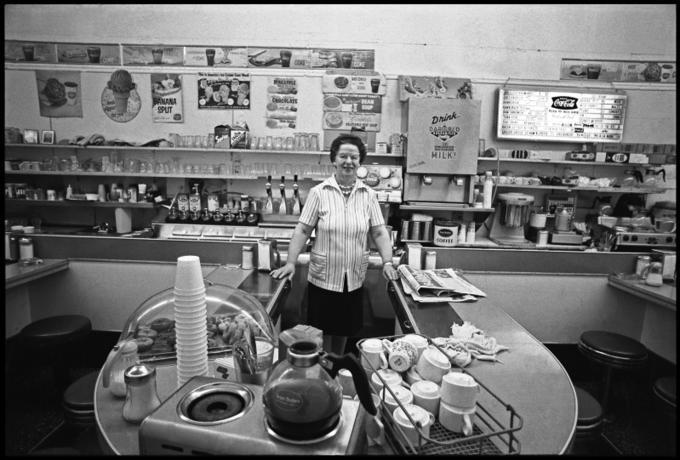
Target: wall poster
59,93
222,91
282,103
166,93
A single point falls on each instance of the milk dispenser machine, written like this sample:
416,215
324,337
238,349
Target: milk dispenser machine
441,155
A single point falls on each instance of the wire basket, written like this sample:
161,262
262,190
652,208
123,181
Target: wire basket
489,437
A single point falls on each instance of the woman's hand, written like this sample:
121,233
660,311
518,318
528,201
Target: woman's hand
285,271
389,272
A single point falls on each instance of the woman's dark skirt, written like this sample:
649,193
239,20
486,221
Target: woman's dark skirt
335,313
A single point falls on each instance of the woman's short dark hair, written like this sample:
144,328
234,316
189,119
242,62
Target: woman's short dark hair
348,139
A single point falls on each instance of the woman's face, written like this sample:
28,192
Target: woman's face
347,161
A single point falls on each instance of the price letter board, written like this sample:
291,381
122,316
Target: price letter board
560,114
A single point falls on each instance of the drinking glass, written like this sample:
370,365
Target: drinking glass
290,143
269,144
278,143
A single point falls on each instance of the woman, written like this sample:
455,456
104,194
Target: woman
343,210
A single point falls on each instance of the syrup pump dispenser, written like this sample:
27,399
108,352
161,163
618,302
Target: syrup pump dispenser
297,205
269,205
283,208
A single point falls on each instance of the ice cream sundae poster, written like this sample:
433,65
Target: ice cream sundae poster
282,102
59,93
222,91
166,98
120,99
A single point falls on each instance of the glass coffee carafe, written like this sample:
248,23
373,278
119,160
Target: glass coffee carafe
302,399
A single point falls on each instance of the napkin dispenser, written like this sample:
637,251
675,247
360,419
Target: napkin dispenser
267,255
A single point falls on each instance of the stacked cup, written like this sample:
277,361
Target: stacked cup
190,320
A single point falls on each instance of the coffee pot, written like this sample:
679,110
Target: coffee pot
302,398
123,355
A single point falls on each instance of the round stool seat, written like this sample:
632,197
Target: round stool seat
613,349
79,395
56,330
589,412
664,389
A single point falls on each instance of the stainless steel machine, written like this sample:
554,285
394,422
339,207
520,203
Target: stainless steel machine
441,154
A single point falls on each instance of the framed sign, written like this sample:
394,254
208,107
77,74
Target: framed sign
560,114
47,137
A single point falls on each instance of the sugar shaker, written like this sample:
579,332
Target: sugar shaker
142,397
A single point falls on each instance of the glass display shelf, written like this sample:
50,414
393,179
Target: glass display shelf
562,162
641,190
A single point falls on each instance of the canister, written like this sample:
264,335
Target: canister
641,265
405,224
542,238
426,231
416,230
25,248
445,233
247,257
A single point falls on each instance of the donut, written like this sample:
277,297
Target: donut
144,343
161,324
146,331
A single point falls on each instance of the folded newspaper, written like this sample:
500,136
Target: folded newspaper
437,285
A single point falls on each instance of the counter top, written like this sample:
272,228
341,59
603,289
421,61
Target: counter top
17,274
121,437
530,378
664,295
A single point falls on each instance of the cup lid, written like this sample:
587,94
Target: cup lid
425,388
417,413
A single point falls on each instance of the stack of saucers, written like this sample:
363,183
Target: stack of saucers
190,320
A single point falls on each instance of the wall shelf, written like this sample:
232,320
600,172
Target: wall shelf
95,204
563,162
586,188
185,149
442,207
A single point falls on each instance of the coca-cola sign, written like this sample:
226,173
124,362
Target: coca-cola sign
564,103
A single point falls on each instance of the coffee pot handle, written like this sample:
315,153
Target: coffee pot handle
359,377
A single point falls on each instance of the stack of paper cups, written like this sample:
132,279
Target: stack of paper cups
190,320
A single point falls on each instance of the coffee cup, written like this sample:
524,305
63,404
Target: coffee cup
593,71
401,354
459,390
419,341
389,376
375,429
71,92
426,395
372,355
420,416
456,419
395,393
664,225
375,85
411,376
347,383
433,365
94,54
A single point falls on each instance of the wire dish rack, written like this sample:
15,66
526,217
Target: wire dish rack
489,437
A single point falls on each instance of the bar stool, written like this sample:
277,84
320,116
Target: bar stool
589,422
613,351
664,391
53,338
78,401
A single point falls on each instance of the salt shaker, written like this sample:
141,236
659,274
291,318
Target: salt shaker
142,396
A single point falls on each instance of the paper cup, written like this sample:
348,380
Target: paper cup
188,275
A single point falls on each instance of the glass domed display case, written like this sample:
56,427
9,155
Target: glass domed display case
229,312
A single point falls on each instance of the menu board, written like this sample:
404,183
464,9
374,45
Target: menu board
560,114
